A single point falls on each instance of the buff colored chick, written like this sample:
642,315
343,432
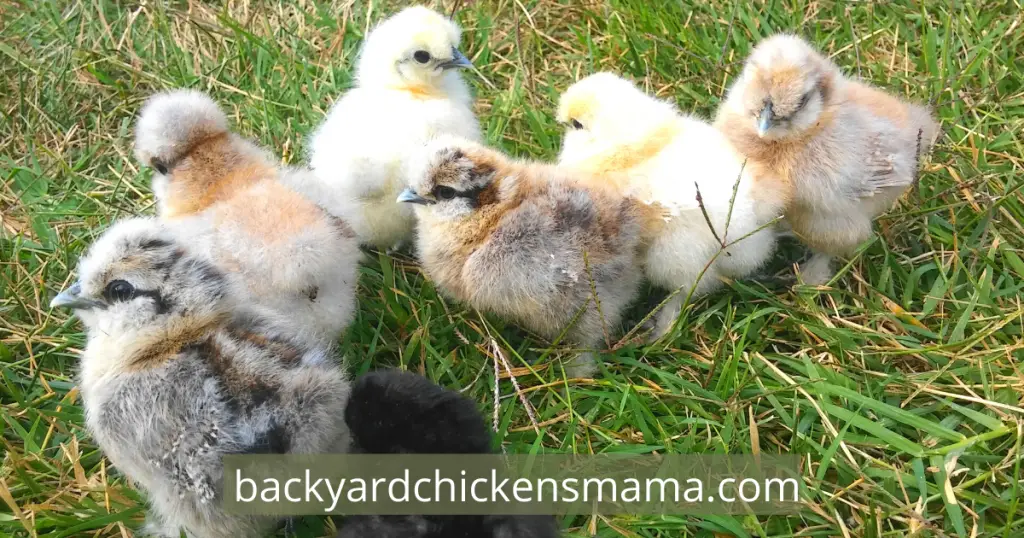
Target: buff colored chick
849,150
227,197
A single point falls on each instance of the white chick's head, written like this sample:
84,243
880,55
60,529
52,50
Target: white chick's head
136,279
605,112
453,179
416,48
785,87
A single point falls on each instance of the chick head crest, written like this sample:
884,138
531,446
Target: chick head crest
415,47
604,112
785,87
453,179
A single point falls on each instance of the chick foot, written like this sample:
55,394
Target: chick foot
583,366
666,318
816,271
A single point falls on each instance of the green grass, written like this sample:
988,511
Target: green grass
901,383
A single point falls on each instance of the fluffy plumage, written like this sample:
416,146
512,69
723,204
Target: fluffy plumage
394,412
526,242
172,379
848,149
646,149
407,91
295,262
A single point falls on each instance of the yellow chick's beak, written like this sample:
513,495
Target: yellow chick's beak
458,61
72,298
409,196
764,121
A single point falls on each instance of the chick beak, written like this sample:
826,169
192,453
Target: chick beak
458,60
764,121
409,196
72,298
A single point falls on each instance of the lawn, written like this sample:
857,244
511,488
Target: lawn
900,383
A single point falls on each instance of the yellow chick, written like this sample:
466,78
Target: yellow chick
644,148
408,90
849,150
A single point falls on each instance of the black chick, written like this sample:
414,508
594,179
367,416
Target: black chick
395,412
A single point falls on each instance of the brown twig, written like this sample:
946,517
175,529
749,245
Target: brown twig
597,299
527,77
917,160
496,349
728,35
455,9
497,395
707,218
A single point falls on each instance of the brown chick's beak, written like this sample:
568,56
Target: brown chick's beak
458,61
409,196
72,298
764,121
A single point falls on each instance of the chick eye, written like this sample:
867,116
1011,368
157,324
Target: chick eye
159,166
445,193
575,124
421,56
119,290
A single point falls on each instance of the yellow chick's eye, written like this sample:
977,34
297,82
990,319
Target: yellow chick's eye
575,124
421,56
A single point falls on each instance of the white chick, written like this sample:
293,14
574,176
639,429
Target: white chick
848,150
172,380
646,149
226,196
408,90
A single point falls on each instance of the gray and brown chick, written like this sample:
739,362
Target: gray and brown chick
173,378
527,242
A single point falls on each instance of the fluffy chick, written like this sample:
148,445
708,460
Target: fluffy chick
408,90
172,380
297,263
645,148
526,241
849,150
394,412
